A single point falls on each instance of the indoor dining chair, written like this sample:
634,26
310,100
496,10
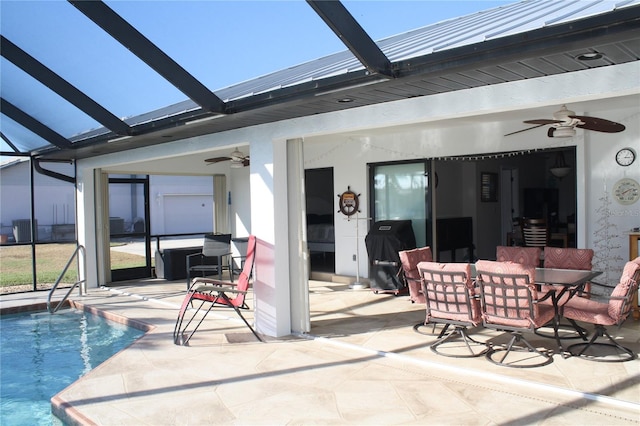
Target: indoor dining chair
451,299
535,233
510,302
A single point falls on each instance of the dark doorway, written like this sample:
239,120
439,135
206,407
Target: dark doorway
537,191
320,218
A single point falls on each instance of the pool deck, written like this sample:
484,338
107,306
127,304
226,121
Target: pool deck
362,363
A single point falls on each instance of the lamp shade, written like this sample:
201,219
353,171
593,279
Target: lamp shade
560,169
560,172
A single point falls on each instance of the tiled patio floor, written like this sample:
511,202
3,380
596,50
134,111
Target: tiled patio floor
362,363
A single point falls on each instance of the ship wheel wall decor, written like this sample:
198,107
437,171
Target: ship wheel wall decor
349,202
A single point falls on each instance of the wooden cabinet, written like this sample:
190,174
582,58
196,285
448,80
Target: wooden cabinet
633,253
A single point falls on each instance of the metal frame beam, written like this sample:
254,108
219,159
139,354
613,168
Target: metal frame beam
143,48
55,175
35,126
344,25
53,81
8,142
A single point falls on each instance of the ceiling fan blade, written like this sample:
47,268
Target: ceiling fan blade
599,124
551,131
542,121
524,130
216,159
246,162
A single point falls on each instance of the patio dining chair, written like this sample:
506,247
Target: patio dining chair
529,256
214,258
510,302
211,293
570,258
409,260
451,299
613,310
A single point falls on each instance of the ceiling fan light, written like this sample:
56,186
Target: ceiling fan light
563,114
560,168
560,172
564,132
236,164
237,155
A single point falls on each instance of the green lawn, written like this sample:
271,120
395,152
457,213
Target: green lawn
16,270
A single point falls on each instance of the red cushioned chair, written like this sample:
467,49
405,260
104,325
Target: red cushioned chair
451,299
569,258
510,303
614,310
529,256
409,260
211,292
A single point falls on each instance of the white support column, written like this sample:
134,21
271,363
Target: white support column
269,223
88,181
298,249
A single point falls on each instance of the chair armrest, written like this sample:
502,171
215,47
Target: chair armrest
201,288
189,257
592,293
211,282
597,284
230,290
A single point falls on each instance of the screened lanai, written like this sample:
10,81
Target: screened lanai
53,108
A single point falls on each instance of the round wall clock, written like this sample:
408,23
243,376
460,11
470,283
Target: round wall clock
625,157
626,191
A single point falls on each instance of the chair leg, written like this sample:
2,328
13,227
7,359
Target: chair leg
443,331
419,325
235,308
180,336
462,332
622,354
572,327
179,331
516,337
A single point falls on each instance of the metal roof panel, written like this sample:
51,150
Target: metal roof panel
494,23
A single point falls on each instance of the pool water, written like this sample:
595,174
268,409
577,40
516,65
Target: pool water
41,354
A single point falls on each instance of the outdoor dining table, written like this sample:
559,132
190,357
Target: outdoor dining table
562,281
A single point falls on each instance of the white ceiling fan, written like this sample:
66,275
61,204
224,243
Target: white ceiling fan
565,121
238,159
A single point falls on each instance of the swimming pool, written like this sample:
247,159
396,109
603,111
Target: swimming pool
41,354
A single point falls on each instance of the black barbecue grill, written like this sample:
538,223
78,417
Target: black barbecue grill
384,240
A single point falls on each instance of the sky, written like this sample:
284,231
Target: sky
218,42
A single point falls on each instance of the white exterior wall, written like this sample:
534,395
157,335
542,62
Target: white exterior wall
181,204
457,123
